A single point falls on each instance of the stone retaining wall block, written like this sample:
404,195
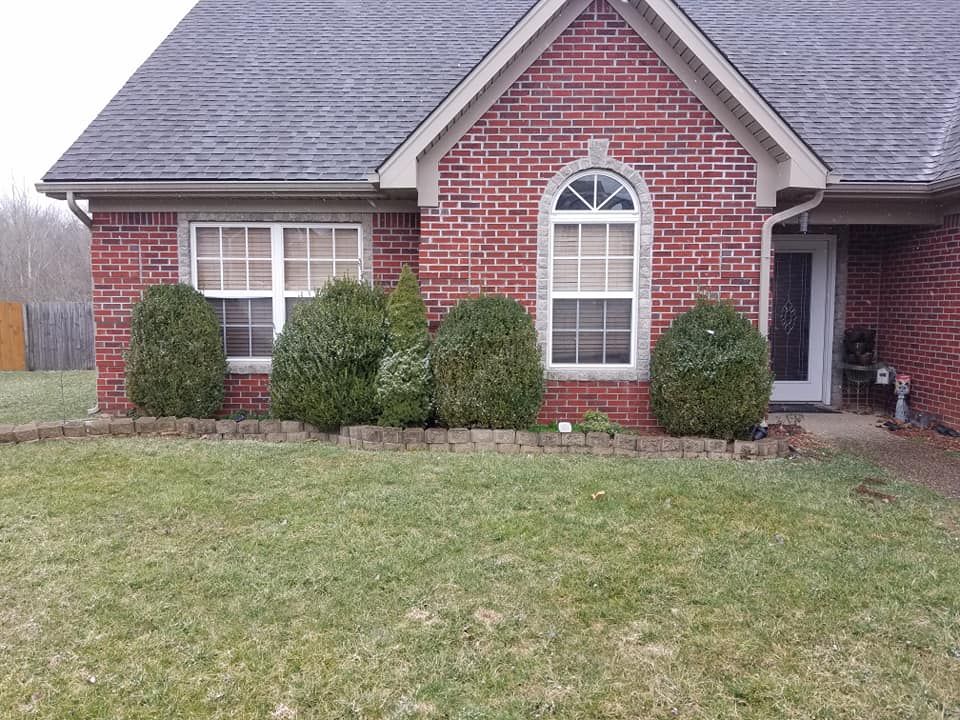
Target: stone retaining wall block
599,439
166,425
145,425
392,435
573,439
122,426
525,437
248,427
436,436
72,429
458,436
50,430
550,439
26,433
97,427
481,435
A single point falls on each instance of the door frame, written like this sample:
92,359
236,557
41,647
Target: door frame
808,242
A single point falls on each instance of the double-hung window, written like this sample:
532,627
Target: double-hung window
254,274
593,273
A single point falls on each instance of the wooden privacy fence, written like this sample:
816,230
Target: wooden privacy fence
13,354
52,336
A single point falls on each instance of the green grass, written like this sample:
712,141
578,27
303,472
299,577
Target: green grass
151,579
40,396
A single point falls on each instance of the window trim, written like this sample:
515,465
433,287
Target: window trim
594,217
278,292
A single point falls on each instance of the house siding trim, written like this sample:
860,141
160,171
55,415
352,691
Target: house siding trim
597,158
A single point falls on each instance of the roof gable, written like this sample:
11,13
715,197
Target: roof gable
783,158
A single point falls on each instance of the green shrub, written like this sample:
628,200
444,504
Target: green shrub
403,383
403,389
596,421
176,362
486,366
326,359
407,325
710,373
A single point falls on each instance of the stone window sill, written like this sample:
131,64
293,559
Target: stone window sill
596,373
249,367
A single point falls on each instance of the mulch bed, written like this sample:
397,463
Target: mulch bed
929,436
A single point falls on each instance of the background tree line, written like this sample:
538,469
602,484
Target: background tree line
44,250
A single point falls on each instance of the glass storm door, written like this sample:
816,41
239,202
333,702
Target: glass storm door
799,327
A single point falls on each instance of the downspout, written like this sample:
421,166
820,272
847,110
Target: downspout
88,221
766,253
78,211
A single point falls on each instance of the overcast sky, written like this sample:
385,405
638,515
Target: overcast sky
60,62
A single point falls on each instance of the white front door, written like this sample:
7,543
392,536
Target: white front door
801,328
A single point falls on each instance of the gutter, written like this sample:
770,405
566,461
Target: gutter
766,253
78,211
222,188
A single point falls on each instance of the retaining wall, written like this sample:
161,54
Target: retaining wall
369,437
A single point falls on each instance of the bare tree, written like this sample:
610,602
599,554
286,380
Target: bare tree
44,250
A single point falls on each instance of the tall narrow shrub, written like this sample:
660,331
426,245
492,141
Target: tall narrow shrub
710,373
176,362
403,382
325,361
486,365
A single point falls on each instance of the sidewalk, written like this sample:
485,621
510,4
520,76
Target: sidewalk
909,460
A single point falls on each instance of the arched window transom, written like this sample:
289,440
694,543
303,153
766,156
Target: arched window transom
596,192
593,272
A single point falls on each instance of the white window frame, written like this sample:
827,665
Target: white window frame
594,217
278,293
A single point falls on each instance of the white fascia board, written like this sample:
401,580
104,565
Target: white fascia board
428,164
400,169
769,173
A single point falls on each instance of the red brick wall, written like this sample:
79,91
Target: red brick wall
918,313
598,80
396,242
864,271
129,251
250,393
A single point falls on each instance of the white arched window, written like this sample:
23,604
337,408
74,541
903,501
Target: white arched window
593,272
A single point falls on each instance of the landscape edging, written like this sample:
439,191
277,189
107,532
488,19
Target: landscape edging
375,437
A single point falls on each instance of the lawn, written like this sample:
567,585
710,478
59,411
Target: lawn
46,396
152,579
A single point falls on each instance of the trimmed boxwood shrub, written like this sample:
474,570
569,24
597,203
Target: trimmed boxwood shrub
326,359
710,373
176,363
486,365
403,383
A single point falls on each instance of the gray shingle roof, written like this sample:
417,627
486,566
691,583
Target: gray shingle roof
326,89
871,85
286,89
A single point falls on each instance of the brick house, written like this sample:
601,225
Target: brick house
602,161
